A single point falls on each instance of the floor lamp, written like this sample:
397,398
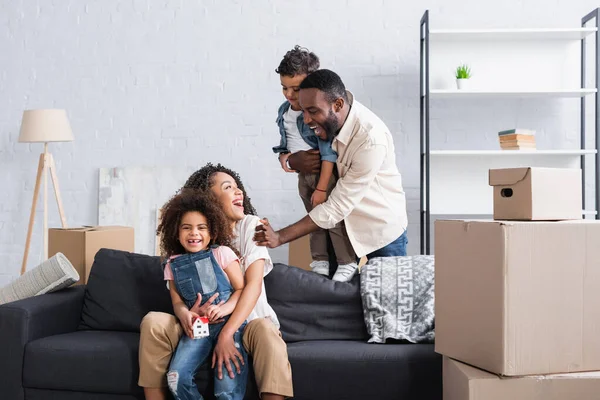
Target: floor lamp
44,126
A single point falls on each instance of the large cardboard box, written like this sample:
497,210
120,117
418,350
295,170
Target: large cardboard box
463,382
536,193
299,253
80,245
519,298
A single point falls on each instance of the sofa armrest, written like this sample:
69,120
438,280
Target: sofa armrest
26,320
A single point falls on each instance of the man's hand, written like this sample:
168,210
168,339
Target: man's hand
308,162
202,310
318,197
283,161
225,353
266,236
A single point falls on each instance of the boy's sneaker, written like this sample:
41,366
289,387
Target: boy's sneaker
345,272
320,267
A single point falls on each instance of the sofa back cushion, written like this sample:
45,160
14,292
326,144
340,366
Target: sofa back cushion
121,289
312,307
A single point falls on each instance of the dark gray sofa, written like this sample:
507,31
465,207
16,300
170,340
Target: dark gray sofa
82,342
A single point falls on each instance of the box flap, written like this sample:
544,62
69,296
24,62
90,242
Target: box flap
106,228
507,176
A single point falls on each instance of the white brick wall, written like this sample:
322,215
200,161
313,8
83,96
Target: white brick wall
168,82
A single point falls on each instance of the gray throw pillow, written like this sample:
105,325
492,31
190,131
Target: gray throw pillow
398,298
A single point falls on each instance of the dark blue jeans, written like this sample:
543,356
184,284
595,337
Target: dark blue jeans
192,353
396,248
195,273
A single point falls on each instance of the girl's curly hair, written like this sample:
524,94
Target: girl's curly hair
203,180
189,200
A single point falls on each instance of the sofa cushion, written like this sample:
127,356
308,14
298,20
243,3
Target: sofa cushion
97,361
358,370
312,307
122,288
89,361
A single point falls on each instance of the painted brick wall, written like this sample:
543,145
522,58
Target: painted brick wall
170,82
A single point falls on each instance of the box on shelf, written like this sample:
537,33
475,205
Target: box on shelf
518,298
463,382
80,245
536,193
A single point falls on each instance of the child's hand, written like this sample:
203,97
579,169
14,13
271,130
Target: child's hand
318,197
186,318
201,309
217,312
283,161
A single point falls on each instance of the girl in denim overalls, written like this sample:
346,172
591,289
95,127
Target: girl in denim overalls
194,238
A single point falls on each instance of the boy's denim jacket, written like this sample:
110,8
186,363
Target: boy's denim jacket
327,153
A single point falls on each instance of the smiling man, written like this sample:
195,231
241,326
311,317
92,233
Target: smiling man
368,195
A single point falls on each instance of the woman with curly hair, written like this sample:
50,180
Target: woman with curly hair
195,235
161,332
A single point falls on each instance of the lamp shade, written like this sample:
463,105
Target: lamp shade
45,126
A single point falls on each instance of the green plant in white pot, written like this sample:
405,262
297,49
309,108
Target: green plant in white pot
463,74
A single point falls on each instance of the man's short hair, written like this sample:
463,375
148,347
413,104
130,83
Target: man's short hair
298,61
328,82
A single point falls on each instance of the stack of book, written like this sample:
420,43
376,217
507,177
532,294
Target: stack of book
517,139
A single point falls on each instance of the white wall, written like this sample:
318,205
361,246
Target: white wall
186,82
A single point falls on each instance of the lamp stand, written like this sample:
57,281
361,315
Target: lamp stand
45,164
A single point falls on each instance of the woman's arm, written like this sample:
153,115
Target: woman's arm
225,350
236,278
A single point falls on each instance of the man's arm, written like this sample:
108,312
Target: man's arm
352,187
266,236
348,192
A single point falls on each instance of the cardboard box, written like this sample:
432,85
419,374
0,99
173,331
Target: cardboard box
299,254
463,382
536,193
80,245
519,298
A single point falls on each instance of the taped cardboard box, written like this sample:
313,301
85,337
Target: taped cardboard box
80,245
519,298
463,382
536,194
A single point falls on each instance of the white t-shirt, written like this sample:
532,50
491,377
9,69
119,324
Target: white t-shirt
250,252
294,139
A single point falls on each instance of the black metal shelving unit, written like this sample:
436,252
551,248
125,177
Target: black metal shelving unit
425,214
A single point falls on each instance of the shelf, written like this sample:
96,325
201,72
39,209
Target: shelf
584,212
455,93
512,153
510,34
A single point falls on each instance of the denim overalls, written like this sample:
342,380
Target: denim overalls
195,273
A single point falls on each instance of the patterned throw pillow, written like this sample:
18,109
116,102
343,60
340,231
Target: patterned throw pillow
53,274
398,298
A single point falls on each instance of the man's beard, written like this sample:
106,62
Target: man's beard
331,126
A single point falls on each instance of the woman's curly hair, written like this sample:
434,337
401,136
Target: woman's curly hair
203,180
189,200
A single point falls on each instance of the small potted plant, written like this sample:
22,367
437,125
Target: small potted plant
463,74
